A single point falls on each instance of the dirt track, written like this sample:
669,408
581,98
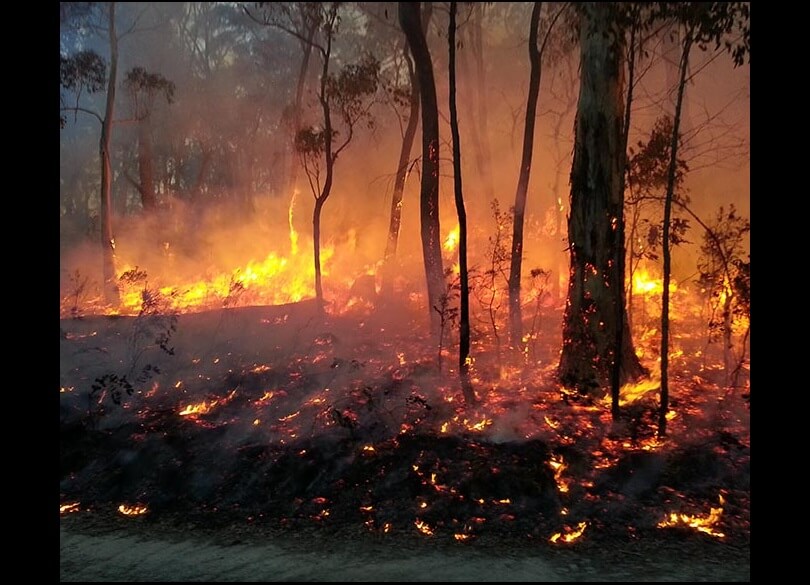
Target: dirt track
125,556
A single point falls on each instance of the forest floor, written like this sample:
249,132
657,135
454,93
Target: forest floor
267,444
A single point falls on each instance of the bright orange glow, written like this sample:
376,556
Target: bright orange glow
423,527
705,524
204,407
134,510
570,535
451,241
69,508
293,233
462,537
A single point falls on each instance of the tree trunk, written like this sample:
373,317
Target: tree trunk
402,171
111,294
619,260
330,166
481,99
306,47
146,172
589,323
464,293
515,313
429,198
671,171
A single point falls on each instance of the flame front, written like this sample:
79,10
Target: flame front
451,241
705,524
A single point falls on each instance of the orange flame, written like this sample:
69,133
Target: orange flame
570,535
705,524
134,510
423,527
451,241
69,508
558,465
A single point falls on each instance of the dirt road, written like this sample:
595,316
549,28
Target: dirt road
126,556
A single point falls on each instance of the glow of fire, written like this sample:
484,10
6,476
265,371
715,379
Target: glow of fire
462,537
645,284
451,241
705,524
631,392
204,407
69,508
558,465
571,535
293,233
134,510
423,527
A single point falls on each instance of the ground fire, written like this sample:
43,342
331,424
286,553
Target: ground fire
266,321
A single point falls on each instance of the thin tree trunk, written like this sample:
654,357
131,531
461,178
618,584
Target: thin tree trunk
464,293
330,166
429,199
590,320
673,163
402,172
292,174
515,313
110,286
615,379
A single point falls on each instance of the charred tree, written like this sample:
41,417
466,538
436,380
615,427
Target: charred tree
521,193
347,97
429,198
111,293
702,22
404,158
464,292
590,320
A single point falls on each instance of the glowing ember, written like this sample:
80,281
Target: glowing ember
570,534
462,537
289,416
369,448
705,524
69,508
558,465
134,510
423,527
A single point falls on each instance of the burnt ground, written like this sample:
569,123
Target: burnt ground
336,451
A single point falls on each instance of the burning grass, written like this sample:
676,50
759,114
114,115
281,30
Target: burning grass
266,415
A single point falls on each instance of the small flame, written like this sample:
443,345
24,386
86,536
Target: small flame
558,465
423,527
69,508
570,535
462,537
134,510
293,233
705,524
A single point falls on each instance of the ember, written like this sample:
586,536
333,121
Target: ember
132,510
706,524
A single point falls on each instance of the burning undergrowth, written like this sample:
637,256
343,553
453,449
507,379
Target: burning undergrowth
268,415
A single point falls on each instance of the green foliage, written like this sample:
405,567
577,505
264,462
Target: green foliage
83,71
139,81
647,173
725,24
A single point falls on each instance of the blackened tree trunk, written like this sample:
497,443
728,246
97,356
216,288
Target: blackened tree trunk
402,167
619,261
429,198
111,294
515,313
671,174
590,320
464,293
